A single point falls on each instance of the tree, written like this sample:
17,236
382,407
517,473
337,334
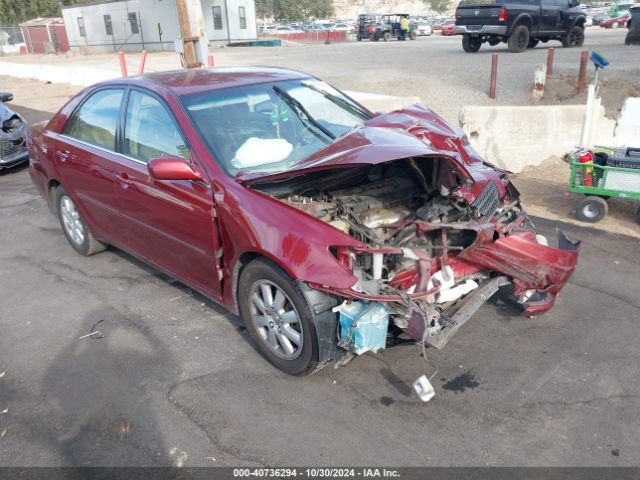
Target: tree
301,10
17,11
264,8
439,6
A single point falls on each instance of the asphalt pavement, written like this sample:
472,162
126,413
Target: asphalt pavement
173,379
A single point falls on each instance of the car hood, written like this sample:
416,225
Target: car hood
411,132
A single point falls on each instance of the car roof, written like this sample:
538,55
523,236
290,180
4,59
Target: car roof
196,80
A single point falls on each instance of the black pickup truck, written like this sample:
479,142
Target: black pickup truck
519,23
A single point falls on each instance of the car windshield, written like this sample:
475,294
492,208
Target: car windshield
272,126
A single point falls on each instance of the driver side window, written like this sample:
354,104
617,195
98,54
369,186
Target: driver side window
150,131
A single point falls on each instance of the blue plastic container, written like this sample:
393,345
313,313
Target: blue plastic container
371,325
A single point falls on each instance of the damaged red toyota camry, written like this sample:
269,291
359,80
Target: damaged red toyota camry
326,227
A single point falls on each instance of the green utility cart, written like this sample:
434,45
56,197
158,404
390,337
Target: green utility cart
601,176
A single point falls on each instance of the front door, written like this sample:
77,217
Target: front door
169,223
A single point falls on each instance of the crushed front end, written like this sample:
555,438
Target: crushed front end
434,244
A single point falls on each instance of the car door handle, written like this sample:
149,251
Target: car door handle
63,156
123,180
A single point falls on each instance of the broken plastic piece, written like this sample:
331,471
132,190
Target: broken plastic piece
422,386
363,326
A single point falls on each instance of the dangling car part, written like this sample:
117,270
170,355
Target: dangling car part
325,226
13,131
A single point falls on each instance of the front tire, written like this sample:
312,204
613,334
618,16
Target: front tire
471,44
278,317
386,36
519,39
575,37
74,226
413,35
592,209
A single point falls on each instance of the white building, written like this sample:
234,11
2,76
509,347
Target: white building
133,25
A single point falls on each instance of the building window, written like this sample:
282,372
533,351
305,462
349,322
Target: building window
133,20
243,18
107,24
83,32
217,18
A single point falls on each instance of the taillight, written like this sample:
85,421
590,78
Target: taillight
503,16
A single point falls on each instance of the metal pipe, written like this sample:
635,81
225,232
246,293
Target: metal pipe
123,65
550,54
582,76
143,59
494,75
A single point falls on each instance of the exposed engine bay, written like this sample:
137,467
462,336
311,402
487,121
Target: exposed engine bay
409,215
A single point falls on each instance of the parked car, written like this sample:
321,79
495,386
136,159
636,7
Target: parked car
342,27
616,22
520,25
13,131
286,30
448,27
598,18
423,28
298,202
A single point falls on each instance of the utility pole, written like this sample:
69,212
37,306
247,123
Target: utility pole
194,37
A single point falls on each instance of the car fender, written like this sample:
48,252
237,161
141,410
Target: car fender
523,19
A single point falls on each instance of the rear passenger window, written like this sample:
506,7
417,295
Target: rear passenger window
150,131
96,120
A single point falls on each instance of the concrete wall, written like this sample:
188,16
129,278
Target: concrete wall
515,137
232,32
149,14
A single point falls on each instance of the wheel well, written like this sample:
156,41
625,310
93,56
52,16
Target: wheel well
580,23
53,184
526,21
242,262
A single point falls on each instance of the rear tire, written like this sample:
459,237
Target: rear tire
471,44
386,36
74,226
276,325
592,209
413,35
519,39
575,37
359,37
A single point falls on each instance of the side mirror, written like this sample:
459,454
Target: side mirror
172,168
6,97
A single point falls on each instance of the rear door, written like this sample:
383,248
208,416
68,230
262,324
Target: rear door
551,15
86,158
169,223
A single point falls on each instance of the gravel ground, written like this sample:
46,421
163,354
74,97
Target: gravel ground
434,68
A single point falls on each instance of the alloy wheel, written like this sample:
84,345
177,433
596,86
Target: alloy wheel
71,220
276,319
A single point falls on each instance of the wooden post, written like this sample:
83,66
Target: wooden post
123,65
210,60
582,77
539,81
494,75
550,53
188,39
143,59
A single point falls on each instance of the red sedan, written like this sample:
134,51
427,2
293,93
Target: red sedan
448,27
324,226
618,22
